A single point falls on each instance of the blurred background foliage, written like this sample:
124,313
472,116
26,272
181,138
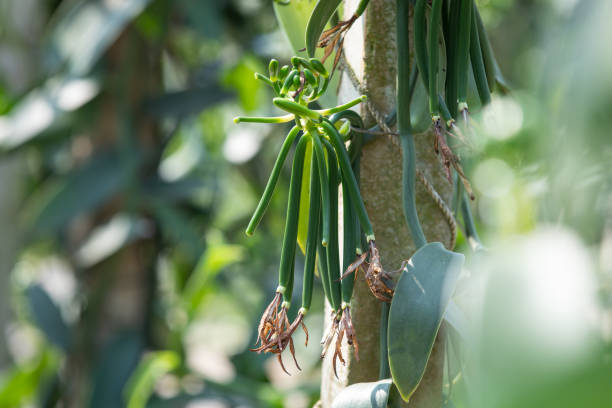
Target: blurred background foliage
127,280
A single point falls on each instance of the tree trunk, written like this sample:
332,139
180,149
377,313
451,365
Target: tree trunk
370,49
118,289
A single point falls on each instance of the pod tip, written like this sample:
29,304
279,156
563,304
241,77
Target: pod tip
237,119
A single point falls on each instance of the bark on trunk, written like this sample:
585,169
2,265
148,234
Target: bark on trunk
370,48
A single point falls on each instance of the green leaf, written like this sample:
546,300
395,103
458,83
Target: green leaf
317,22
420,300
210,264
364,395
19,384
45,108
304,200
292,19
83,190
139,387
48,317
240,78
187,102
178,228
114,365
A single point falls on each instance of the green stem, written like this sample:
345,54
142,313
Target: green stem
404,127
470,227
383,370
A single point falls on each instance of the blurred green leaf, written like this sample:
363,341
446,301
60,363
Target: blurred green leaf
242,79
48,317
214,259
420,300
187,102
204,16
321,14
178,228
183,189
84,189
18,386
113,368
43,107
364,395
139,388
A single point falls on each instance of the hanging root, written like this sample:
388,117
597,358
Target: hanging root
275,331
376,277
449,159
342,326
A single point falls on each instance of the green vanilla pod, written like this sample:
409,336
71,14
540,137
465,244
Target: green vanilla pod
476,58
287,258
269,190
463,53
319,157
420,41
434,30
333,258
312,236
345,166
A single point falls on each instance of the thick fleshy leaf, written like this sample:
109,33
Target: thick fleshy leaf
317,22
420,300
456,320
364,395
292,19
47,317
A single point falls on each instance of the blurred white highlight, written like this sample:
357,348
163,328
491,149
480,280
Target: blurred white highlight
493,178
241,144
75,93
502,118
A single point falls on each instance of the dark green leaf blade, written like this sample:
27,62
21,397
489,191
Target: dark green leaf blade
316,24
47,317
421,297
364,395
187,102
83,190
